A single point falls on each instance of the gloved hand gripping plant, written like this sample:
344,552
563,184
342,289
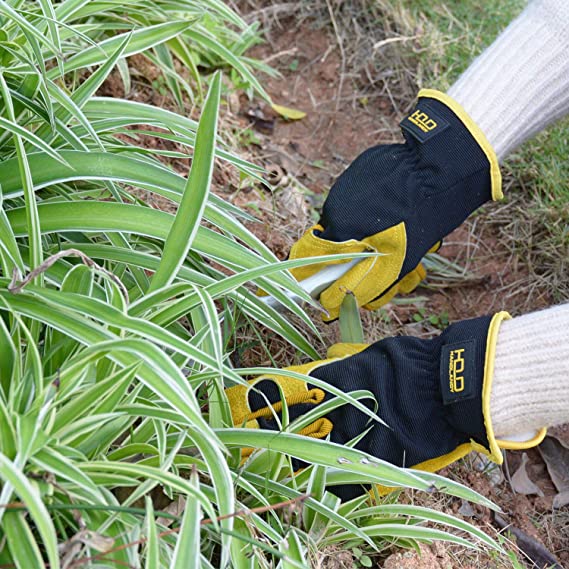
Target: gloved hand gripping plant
401,200
433,395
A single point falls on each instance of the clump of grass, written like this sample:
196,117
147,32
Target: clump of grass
117,320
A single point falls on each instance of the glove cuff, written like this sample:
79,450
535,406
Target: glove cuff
477,134
466,373
497,445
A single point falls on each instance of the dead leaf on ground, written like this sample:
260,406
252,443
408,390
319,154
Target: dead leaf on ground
521,482
466,509
556,457
288,113
70,549
560,500
175,508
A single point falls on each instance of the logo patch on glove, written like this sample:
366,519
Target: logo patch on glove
423,124
458,371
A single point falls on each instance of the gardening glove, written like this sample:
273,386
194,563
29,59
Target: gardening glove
401,200
434,395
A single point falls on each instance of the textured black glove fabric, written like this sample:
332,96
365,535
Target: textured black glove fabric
409,378
432,185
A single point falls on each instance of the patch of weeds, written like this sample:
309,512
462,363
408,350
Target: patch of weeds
293,66
361,559
248,137
452,34
160,86
440,321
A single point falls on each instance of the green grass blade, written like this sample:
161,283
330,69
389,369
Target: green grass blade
140,40
152,543
351,330
325,453
27,27
32,218
188,542
185,225
38,512
30,137
52,24
205,39
428,515
8,242
21,542
139,470
404,531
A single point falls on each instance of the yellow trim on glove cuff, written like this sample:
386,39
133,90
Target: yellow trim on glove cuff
497,445
479,136
523,445
494,452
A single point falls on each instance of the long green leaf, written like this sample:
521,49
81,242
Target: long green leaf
32,219
32,500
140,40
192,205
188,543
326,453
21,542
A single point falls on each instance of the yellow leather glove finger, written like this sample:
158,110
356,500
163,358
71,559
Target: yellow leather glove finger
310,245
294,391
370,277
345,349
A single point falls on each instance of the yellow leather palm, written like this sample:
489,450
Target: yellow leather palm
368,278
294,390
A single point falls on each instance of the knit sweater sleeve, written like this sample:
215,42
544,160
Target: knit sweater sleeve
520,84
512,91
530,389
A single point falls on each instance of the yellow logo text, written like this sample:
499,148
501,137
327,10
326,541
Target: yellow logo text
423,121
456,367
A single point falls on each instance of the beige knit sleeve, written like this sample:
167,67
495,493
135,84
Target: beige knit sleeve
520,84
531,372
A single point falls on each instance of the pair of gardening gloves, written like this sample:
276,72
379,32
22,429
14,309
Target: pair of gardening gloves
433,396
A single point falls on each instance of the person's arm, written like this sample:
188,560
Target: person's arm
520,84
531,372
513,90
484,382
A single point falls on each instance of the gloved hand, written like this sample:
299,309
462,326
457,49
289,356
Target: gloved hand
433,394
401,200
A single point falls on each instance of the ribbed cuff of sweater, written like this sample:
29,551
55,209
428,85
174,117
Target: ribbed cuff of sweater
530,389
520,84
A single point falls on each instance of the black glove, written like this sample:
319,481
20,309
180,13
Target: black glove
433,395
401,200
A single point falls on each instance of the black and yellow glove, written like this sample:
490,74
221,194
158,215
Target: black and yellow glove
434,395
402,200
